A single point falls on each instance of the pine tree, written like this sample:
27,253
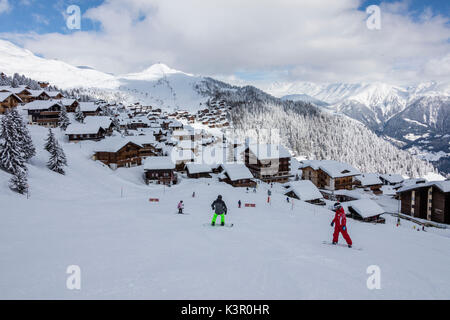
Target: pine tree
18,182
26,143
64,121
11,153
79,116
50,141
57,159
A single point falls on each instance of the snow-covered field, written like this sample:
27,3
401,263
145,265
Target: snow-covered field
127,247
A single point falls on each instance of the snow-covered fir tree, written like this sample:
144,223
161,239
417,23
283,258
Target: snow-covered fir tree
79,116
27,148
19,182
50,141
58,159
64,121
11,154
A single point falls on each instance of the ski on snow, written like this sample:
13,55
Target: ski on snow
228,225
340,245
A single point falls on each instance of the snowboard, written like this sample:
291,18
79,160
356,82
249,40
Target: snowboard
182,214
341,245
228,225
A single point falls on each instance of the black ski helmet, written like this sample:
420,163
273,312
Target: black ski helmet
219,197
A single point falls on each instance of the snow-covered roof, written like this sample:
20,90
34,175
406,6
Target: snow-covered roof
6,95
392,178
67,102
88,107
13,90
194,168
333,168
237,171
269,151
36,93
80,128
158,163
305,190
369,179
444,186
53,93
41,104
102,121
366,208
114,144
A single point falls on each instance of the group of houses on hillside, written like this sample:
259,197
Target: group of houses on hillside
165,145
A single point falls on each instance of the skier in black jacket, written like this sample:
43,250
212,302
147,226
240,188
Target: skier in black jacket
220,209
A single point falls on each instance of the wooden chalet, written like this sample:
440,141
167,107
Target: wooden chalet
117,153
369,181
89,109
43,112
79,132
198,170
183,135
36,95
8,101
269,163
70,104
181,157
428,201
329,174
391,179
55,94
304,190
365,210
160,170
237,175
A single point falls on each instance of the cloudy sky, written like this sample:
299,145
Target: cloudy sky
242,40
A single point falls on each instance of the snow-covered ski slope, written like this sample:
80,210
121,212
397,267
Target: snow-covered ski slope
130,248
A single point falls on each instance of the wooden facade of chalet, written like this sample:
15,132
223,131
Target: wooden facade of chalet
426,202
100,134
45,117
291,194
273,170
9,102
160,176
30,98
129,155
238,183
94,112
375,188
322,180
197,175
72,107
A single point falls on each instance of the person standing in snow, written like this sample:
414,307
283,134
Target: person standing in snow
239,204
193,194
340,225
220,209
180,207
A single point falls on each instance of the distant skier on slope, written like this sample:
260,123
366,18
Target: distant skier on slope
339,223
220,209
180,207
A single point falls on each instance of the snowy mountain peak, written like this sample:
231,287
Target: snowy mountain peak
155,71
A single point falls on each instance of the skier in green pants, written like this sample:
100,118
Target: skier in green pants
220,209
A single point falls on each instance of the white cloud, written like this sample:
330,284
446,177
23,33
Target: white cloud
308,40
4,6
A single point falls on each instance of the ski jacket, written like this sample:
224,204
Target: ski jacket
339,219
219,206
180,205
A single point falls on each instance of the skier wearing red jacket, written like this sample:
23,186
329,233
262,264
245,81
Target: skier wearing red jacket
339,223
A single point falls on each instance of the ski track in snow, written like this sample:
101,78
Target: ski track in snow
130,248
